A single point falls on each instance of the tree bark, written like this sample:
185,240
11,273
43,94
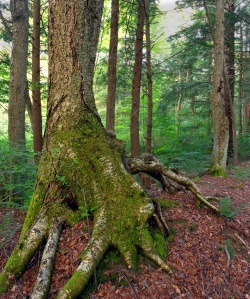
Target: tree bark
136,88
110,118
240,86
220,120
36,94
149,81
18,73
230,74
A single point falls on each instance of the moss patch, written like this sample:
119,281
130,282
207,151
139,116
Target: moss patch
166,203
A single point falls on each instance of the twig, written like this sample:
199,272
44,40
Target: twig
228,256
242,241
126,278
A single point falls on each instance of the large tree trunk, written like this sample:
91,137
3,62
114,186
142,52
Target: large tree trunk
220,120
80,165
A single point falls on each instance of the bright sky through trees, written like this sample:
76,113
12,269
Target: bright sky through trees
175,18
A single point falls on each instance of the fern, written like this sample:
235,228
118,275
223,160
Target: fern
226,208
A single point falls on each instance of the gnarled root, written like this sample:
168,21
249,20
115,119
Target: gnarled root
91,257
146,244
149,164
43,280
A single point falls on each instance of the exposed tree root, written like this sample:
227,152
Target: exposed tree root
91,257
43,280
160,221
23,253
149,164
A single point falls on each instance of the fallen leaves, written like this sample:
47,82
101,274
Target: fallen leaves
197,252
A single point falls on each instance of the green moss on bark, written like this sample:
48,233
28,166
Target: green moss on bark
217,170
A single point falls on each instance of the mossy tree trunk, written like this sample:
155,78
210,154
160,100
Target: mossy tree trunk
80,166
220,120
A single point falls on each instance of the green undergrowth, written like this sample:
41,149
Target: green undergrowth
226,208
240,173
18,173
8,229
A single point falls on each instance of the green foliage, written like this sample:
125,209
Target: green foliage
17,177
244,145
87,212
8,229
226,208
241,174
4,76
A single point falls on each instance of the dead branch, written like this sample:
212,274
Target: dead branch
149,164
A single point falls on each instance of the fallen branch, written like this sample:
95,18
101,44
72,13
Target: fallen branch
149,164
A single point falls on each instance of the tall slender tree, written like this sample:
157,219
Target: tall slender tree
36,94
113,44
149,80
136,86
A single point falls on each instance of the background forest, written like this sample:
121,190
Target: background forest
181,73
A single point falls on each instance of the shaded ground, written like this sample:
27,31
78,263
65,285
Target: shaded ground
210,254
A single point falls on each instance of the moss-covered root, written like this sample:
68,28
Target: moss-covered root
147,245
23,253
92,255
43,280
150,164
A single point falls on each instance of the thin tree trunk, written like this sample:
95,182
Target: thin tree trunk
232,117
149,81
230,77
134,127
240,87
110,117
29,108
36,94
179,103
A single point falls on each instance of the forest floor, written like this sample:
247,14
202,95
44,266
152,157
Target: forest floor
210,254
